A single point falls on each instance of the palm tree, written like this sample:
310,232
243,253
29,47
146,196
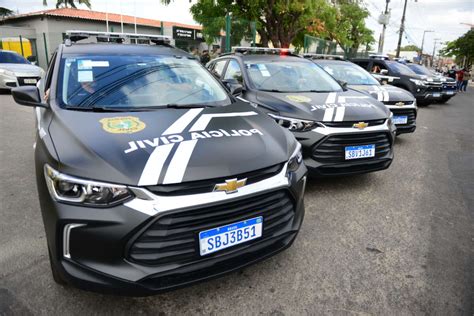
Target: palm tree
4,12
70,3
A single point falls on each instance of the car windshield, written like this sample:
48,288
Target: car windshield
290,76
133,81
421,70
350,73
12,58
400,69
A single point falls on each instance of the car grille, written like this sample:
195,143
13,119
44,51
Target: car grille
174,237
395,102
204,186
332,148
351,123
21,81
410,113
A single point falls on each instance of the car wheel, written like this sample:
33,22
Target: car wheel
54,271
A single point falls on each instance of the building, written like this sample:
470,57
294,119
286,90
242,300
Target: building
45,30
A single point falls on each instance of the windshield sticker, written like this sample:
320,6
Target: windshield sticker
85,76
84,64
298,98
99,63
122,125
263,70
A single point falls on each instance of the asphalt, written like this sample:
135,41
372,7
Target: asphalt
397,242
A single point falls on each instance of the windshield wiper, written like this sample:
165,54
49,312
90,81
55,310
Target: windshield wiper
272,90
97,109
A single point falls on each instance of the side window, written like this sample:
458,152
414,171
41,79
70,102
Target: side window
364,64
377,67
219,68
233,71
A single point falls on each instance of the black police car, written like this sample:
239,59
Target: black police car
449,84
399,75
150,176
400,102
342,131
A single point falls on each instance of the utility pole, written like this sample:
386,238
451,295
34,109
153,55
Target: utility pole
402,28
434,51
423,44
384,26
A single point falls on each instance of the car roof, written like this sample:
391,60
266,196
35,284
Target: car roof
115,49
266,57
331,61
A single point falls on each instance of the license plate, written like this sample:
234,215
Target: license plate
32,81
400,119
436,95
357,152
223,237
449,92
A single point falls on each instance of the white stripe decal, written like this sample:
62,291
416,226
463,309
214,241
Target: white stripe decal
204,120
339,114
331,97
328,113
386,96
179,163
380,96
180,124
154,165
341,99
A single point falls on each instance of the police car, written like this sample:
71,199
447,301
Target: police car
399,75
449,84
400,102
150,175
342,131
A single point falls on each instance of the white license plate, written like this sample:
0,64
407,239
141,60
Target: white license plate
223,237
449,92
32,81
436,95
357,152
400,119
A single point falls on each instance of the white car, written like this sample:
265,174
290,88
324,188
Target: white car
16,71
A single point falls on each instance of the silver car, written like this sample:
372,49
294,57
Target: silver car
16,71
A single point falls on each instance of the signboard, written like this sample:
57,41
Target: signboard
186,33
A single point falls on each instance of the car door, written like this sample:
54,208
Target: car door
217,68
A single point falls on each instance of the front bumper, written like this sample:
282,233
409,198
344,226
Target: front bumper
411,111
427,94
336,165
91,246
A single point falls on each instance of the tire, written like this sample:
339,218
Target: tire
54,271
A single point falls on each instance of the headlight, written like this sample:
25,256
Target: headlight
418,82
294,125
296,159
69,189
7,72
390,119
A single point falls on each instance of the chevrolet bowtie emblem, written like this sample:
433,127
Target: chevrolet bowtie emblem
400,103
230,186
360,125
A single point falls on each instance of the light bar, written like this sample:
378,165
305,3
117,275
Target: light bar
323,56
261,50
75,35
379,56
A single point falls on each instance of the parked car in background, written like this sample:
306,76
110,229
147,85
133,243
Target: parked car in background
448,84
342,131
399,75
17,71
400,102
150,175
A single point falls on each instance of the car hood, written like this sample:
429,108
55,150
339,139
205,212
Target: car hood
23,69
349,105
386,93
168,146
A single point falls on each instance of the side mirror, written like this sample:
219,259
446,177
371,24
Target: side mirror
343,84
234,87
384,72
28,96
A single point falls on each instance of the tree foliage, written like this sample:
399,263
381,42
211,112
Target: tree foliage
462,48
4,12
410,48
69,3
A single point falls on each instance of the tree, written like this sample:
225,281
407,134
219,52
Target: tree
410,48
462,48
4,12
70,3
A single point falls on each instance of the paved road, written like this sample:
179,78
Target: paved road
399,241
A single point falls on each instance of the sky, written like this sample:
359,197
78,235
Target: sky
441,16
